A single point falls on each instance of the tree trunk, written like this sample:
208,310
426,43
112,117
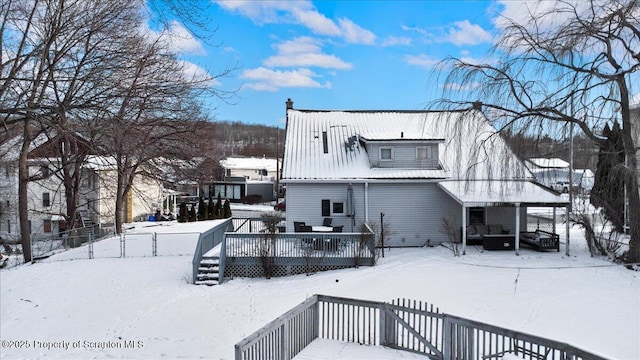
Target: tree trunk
23,197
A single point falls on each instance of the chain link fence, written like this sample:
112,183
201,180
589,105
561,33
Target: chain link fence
92,243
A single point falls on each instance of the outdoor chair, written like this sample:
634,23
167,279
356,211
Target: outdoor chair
327,221
338,229
297,226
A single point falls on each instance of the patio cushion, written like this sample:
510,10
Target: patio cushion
471,230
495,229
482,229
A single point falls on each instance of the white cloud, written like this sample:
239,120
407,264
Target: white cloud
193,71
394,40
421,60
176,37
306,52
183,41
420,31
466,33
355,34
459,33
316,22
302,13
263,79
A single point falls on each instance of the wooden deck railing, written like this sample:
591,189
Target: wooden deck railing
207,241
400,325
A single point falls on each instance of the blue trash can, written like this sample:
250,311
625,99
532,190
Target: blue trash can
152,218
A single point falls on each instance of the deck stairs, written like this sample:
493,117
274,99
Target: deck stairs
209,271
83,219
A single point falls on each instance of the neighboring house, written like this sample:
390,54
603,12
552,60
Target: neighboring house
554,173
46,197
251,168
410,171
250,179
144,199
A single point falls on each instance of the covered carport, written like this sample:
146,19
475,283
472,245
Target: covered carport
503,193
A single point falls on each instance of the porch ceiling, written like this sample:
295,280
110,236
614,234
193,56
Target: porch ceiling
482,193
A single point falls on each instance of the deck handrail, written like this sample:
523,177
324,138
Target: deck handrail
207,241
380,323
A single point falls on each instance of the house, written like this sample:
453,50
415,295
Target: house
249,179
46,195
145,197
554,173
416,175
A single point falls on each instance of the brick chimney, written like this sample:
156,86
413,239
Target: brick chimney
477,105
289,104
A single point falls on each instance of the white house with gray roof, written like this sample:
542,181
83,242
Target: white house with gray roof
413,168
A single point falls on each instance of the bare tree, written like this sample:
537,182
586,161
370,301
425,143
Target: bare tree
573,65
83,67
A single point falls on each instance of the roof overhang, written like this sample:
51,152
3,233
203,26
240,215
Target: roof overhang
485,193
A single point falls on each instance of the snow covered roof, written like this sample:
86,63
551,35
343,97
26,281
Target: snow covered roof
468,145
100,162
495,193
249,163
548,163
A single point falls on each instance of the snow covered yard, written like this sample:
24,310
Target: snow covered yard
144,307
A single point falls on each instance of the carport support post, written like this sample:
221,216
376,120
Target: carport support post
567,221
517,230
554,220
464,230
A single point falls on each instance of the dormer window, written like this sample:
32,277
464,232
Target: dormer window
386,153
423,153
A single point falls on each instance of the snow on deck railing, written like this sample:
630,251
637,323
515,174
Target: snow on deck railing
207,241
402,326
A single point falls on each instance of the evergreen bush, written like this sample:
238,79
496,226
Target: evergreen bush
218,209
227,209
202,210
210,207
183,214
192,214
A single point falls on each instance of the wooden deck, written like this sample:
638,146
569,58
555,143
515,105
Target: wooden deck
324,349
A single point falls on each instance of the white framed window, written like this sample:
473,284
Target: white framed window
386,153
423,153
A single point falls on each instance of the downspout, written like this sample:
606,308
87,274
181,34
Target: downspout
517,229
464,229
366,202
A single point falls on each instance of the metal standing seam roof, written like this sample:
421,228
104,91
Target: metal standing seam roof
493,193
468,145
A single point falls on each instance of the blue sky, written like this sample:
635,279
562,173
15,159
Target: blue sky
336,54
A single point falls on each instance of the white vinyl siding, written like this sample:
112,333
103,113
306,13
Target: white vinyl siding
304,204
413,212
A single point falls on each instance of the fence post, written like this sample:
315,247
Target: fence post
447,340
154,244
122,245
387,327
91,237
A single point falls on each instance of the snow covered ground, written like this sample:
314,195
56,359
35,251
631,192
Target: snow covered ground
144,307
